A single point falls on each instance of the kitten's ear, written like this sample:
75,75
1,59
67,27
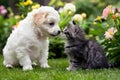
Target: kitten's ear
76,28
75,31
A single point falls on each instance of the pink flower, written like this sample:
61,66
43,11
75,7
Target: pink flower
15,26
106,11
3,11
2,7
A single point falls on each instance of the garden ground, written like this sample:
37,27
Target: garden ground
57,72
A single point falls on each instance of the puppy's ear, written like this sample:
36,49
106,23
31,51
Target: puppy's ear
39,18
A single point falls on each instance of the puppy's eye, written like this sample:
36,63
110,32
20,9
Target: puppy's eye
51,24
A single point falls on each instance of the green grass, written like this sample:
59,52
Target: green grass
57,72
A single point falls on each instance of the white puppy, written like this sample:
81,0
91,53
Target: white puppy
29,42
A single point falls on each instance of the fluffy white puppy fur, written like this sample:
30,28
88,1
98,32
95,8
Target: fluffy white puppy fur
29,42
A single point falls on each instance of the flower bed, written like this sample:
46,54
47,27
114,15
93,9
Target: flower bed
107,30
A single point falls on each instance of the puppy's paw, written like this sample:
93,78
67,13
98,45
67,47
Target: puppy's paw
45,66
9,66
26,68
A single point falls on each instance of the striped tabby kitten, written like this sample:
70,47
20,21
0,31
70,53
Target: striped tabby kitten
83,53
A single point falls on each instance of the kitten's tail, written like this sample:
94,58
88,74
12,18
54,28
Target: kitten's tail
115,65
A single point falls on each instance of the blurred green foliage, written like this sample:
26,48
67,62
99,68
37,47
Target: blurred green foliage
5,30
93,8
56,48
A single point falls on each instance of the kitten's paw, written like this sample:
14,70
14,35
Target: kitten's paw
9,66
71,68
45,66
68,68
26,68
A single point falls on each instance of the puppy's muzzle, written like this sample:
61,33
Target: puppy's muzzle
58,32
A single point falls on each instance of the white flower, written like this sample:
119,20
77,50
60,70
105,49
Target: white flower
110,33
69,7
84,15
77,18
60,10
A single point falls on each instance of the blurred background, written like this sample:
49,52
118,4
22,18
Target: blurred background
12,11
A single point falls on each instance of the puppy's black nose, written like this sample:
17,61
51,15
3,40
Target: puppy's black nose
59,32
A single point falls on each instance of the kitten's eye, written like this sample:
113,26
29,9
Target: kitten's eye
51,24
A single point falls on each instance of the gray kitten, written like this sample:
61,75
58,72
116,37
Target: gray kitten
83,53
